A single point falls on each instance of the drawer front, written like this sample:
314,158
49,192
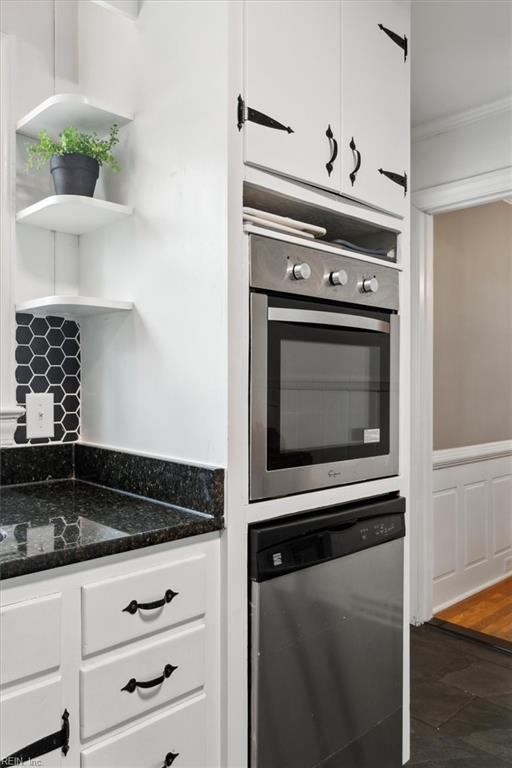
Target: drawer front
179,733
30,715
123,609
109,697
30,637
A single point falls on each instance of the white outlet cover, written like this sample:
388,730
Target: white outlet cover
40,421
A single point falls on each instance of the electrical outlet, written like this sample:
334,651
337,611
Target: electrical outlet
40,415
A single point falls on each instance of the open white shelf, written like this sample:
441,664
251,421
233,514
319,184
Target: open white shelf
73,306
64,109
73,214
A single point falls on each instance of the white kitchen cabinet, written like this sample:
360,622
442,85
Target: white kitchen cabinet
28,715
292,76
375,113
121,688
160,741
30,634
119,610
337,66
49,668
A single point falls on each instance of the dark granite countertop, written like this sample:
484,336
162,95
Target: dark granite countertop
49,524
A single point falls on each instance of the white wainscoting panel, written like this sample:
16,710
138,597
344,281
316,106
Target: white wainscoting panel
501,506
475,513
472,520
445,519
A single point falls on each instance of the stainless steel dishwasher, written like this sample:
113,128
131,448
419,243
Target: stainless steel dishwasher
326,634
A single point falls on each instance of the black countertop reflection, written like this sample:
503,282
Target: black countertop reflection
47,525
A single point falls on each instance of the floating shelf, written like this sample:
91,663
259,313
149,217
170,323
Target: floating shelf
73,214
73,306
64,109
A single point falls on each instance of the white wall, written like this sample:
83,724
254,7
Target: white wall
44,41
473,347
482,146
156,381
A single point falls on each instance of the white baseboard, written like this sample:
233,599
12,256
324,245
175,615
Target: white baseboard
471,592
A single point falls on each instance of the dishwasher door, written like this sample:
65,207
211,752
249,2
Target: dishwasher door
326,649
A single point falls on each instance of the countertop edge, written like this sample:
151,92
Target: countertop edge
60,558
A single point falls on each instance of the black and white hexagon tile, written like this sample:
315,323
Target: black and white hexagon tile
48,360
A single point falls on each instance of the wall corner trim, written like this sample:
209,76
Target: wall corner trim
452,457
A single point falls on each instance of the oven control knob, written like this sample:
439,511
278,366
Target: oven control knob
339,278
370,285
301,271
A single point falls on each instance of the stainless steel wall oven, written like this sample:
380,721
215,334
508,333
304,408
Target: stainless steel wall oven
324,369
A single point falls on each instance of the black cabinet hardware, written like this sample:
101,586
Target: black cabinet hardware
258,117
57,740
133,606
397,178
357,156
132,684
400,41
170,758
334,145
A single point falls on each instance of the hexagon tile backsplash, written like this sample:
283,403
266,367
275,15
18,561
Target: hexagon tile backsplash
48,360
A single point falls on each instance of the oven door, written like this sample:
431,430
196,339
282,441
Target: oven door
324,395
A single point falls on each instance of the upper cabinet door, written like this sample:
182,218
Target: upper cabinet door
375,103
292,89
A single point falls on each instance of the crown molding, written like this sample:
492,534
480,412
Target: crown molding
450,122
464,193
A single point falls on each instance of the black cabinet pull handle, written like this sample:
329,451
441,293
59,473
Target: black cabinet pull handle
132,683
59,739
133,606
170,758
400,41
334,155
396,177
357,166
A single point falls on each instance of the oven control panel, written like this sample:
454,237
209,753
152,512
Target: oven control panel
278,266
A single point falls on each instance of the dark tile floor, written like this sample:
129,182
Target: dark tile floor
461,702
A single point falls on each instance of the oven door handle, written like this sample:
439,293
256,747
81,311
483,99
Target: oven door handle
337,319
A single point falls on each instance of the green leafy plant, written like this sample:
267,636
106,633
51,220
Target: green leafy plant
72,141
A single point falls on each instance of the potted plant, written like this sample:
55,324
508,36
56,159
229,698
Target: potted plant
75,159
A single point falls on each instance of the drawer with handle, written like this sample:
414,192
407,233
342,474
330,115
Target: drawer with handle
122,609
175,738
132,683
34,726
30,637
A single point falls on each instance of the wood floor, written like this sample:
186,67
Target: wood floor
489,611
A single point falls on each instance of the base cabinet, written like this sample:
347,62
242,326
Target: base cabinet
28,717
169,739
120,689
143,690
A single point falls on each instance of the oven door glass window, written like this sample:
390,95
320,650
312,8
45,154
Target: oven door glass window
328,390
